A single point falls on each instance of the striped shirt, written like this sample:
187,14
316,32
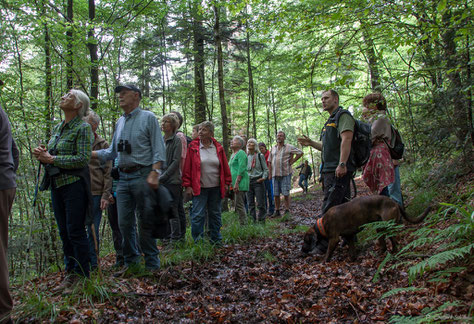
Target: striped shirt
280,159
142,131
73,142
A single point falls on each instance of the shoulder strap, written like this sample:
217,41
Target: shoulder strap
260,160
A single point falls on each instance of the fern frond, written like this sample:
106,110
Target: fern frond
399,290
387,258
430,315
421,242
438,259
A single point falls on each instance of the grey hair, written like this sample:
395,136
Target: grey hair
92,117
252,140
81,97
209,125
281,131
240,139
173,118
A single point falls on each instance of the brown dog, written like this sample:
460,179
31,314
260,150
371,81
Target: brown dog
346,219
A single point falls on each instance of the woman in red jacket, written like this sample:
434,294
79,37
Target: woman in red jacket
206,177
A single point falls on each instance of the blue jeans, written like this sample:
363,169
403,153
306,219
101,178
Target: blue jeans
209,200
269,196
303,182
130,205
96,217
70,212
395,189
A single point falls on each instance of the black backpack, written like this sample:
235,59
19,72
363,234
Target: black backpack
396,152
361,143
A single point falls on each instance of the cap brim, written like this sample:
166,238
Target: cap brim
120,88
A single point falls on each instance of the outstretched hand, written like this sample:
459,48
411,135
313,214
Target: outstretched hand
304,141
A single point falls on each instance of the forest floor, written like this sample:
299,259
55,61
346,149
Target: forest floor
264,280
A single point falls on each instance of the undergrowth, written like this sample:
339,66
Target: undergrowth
443,247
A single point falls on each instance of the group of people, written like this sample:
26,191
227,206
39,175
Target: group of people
78,165
380,173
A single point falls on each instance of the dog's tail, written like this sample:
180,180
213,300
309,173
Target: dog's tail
419,219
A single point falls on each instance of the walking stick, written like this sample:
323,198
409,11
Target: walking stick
96,248
28,246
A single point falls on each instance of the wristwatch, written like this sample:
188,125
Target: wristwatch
342,164
157,171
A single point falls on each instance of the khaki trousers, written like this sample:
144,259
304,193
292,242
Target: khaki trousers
6,302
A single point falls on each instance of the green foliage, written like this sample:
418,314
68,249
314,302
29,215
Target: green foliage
233,232
398,291
429,315
188,251
379,229
451,243
38,305
387,258
438,260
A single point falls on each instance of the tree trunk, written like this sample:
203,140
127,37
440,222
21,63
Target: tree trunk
48,94
220,78
92,45
69,44
456,93
371,61
251,86
200,101
274,111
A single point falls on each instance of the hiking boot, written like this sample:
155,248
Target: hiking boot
318,250
276,214
287,212
120,273
118,264
68,282
153,272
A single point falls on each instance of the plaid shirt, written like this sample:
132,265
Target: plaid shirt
73,142
280,159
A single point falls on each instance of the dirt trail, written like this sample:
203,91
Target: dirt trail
265,281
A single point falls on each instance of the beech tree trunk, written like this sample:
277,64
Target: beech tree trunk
220,78
69,44
92,45
200,101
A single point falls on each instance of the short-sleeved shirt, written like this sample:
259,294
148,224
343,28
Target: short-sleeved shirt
73,143
280,159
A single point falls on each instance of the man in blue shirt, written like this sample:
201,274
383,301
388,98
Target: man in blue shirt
140,149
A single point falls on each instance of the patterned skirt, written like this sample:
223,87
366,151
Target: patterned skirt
379,171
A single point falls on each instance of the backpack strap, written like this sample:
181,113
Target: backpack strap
335,119
260,160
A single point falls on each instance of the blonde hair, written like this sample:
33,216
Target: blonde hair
173,119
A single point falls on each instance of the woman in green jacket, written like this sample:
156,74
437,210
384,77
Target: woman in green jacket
240,177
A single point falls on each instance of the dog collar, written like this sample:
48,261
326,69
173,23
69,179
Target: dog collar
320,227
